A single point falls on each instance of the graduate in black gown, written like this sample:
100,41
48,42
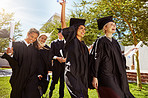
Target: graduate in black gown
58,64
109,70
76,70
25,68
46,55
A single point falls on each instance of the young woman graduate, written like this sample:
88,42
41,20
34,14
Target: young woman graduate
76,70
46,55
109,71
25,65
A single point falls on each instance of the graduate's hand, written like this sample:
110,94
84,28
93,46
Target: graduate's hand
63,60
95,82
40,77
63,2
9,51
49,72
59,59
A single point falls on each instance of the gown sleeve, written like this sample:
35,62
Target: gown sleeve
98,57
69,34
12,61
50,53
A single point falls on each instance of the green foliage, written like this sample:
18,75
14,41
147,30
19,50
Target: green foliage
51,28
128,15
5,19
139,93
5,87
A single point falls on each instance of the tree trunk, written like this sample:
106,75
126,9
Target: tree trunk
139,84
137,56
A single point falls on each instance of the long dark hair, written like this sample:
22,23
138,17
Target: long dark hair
77,26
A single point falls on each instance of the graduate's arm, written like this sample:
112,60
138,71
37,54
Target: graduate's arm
63,23
66,32
98,57
94,66
53,50
51,55
55,57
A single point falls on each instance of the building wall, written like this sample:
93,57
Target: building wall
143,58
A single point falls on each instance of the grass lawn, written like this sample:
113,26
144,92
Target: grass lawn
5,89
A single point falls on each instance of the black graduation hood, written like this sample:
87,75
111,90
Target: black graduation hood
77,21
102,21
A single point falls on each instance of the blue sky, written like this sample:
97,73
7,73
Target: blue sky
33,13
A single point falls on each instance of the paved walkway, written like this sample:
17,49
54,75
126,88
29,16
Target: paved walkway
5,72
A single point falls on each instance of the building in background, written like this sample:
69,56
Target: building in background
143,59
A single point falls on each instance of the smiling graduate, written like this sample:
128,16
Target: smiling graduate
109,71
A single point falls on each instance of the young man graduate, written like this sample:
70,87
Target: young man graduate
58,69
25,65
109,71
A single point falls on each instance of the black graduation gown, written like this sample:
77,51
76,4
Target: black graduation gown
58,68
76,70
110,70
46,55
24,80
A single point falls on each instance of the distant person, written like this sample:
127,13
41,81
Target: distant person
25,67
58,64
76,70
109,71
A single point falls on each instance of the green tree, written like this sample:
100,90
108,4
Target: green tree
51,28
5,19
129,15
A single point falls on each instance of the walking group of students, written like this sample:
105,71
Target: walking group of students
31,60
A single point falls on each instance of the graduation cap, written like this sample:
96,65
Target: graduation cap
59,30
102,21
77,21
4,33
